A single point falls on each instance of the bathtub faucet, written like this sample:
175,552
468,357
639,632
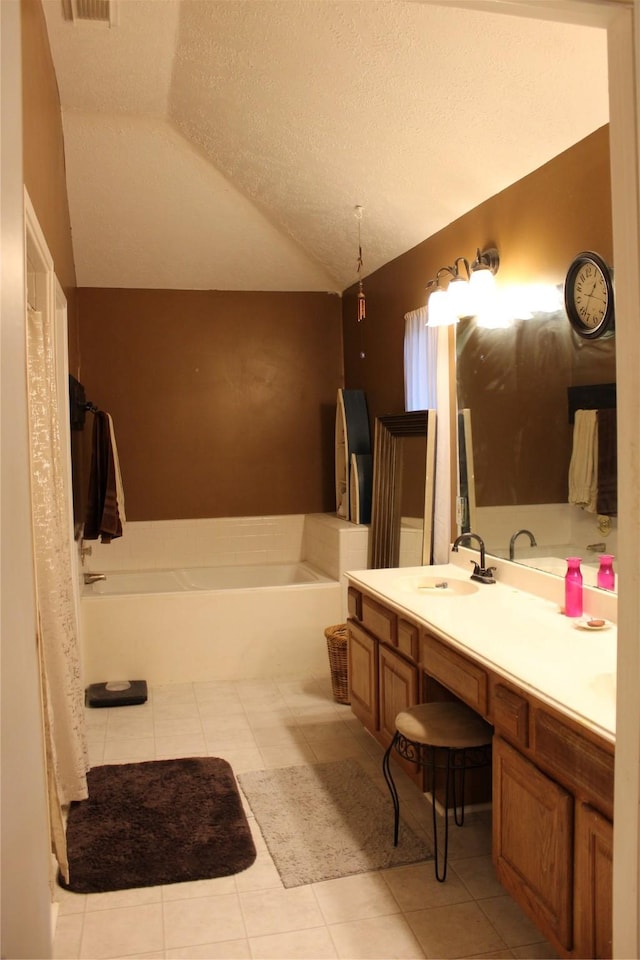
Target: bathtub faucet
93,577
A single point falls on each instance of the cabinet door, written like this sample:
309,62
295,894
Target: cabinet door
594,883
363,676
398,690
533,842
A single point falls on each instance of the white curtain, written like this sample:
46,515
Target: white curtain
420,361
426,384
58,642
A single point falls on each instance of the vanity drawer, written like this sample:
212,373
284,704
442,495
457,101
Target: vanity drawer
456,672
583,765
510,714
382,622
408,639
354,603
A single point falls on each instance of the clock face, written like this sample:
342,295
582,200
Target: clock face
588,296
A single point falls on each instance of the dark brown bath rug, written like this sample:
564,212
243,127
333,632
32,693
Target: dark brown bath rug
161,821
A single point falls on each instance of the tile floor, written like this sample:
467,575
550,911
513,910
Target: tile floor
402,912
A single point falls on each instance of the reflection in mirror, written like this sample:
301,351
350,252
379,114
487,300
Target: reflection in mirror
403,490
466,505
513,385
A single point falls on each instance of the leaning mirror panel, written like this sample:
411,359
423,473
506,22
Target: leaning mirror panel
403,490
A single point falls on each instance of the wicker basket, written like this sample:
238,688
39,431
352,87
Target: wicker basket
337,639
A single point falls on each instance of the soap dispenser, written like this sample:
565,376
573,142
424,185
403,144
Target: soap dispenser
606,575
573,588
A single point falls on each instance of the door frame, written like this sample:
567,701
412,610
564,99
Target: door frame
621,20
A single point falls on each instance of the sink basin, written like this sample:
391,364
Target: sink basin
438,586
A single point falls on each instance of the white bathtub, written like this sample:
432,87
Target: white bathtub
208,623
119,583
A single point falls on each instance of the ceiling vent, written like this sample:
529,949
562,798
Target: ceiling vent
94,11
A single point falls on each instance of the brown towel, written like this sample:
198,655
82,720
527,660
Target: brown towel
607,501
102,517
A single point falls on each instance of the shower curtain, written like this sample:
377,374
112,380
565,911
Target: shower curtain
57,630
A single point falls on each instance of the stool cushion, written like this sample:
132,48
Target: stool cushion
447,724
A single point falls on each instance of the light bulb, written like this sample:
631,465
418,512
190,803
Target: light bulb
439,312
483,290
459,296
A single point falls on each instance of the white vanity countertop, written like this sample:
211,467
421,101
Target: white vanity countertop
522,636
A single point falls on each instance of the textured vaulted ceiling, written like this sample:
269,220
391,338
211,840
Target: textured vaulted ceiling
224,144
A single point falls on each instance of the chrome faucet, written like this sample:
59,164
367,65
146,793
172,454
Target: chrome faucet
512,542
480,573
94,577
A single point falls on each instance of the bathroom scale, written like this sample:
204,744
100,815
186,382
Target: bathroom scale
116,693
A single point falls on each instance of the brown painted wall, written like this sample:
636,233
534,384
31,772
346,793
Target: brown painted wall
290,344
538,225
44,163
223,403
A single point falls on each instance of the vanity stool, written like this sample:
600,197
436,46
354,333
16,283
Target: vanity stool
457,732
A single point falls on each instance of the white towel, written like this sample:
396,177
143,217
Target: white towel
583,468
116,465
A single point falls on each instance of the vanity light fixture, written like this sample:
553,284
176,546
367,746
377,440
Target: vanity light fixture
472,295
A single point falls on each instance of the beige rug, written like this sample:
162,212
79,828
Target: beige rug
327,820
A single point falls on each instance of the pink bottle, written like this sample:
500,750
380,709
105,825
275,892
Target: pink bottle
606,576
573,588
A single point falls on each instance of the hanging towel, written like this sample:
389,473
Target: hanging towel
607,499
116,465
102,517
584,461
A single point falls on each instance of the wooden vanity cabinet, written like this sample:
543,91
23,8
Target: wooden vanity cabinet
532,841
552,777
552,810
383,669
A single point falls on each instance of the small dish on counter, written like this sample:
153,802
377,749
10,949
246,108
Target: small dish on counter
593,623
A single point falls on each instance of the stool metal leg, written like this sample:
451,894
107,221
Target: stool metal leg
459,770
455,772
441,875
386,769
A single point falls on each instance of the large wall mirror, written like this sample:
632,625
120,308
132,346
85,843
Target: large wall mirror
513,385
403,490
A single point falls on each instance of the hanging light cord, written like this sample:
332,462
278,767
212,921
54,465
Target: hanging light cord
362,304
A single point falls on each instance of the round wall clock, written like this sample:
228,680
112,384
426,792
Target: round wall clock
588,296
